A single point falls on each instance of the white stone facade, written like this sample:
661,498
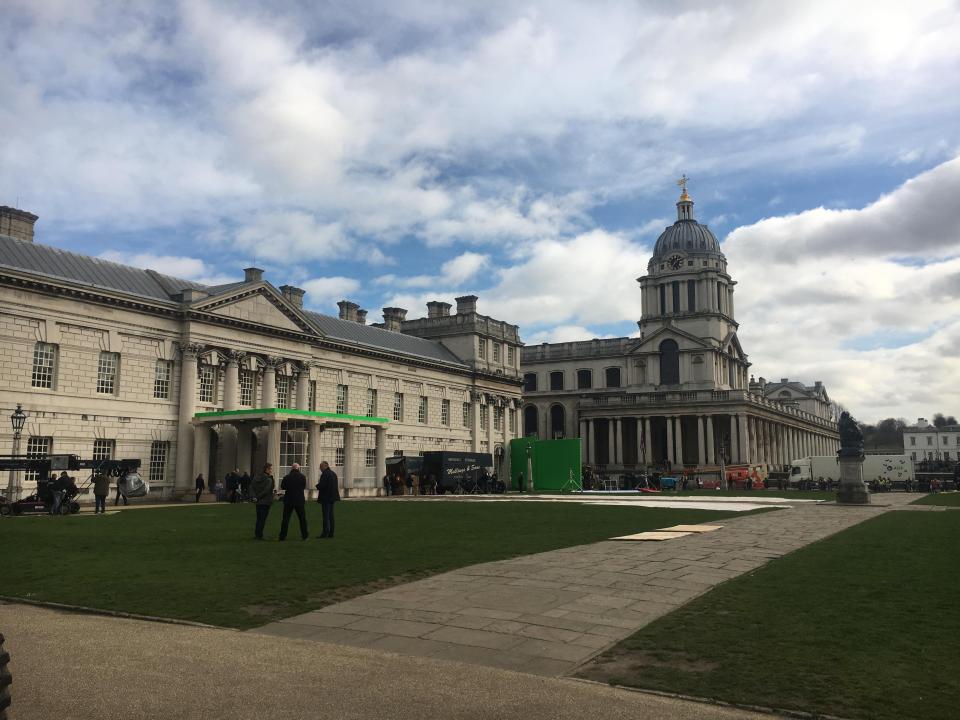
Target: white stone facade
679,396
93,357
924,441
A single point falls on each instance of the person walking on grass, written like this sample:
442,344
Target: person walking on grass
294,484
101,488
327,494
264,487
199,484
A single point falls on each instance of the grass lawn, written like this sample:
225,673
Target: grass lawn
201,563
949,499
862,625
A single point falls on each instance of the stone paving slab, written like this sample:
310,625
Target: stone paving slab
548,613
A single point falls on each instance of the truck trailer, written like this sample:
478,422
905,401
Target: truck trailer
893,469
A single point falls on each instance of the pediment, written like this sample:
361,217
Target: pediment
733,342
259,307
686,341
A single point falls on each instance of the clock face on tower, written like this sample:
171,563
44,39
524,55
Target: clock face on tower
675,261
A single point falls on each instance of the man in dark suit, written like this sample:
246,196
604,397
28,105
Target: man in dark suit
293,485
263,488
327,494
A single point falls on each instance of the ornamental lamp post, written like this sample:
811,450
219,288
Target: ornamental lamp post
17,420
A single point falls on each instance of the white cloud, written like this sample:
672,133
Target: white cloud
561,333
182,267
323,293
463,267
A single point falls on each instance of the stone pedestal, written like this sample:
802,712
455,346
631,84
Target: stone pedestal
852,489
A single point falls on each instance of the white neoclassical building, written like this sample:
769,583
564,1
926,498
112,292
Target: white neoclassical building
114,361
680,394
926,441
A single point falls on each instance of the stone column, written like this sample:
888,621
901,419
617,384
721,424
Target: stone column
201,451
618,441
743,438
491,411
381,455
592,442
670,456
303,386
273,446
348,467
734,450
188,392
476,423
647,442
313,463
752,431
711,455
679,439
231,382
268,389
611,443
701,441
583,441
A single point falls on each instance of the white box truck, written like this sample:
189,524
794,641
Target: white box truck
894,469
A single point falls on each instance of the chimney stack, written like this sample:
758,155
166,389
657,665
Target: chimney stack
466,304
362,317
252,274
436,309
293,295
18,224
393,318
348,310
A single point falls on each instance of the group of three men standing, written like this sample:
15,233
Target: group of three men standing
294,485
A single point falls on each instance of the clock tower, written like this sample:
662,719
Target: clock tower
687,301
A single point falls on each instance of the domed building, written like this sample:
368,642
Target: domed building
679,395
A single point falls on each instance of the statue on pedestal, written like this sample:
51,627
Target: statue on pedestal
852,489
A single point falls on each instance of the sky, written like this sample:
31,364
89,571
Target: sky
393,153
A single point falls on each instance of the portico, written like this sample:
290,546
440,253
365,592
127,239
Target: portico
260,438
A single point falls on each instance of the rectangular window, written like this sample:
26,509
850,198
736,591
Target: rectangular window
312,396
496,352
513,421
161,379
342,399
675,292
913,440
293,445
340,457
208,379
283,391
929,440
482,349
422,411
511,355
247,384
398,407
483,417
556,380
445,412
913,456
107,373
529,382
371,403
497,418
466,415
104,449
691,295
370,458
37,447
663,299
44,365
158,460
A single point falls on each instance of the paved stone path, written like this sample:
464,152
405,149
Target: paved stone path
548,613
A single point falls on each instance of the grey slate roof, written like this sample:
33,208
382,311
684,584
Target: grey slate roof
369,336
51,262
56,263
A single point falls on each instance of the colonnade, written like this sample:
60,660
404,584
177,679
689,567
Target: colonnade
740,438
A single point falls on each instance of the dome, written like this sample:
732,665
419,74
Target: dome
687,236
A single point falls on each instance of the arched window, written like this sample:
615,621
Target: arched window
613,377
584,379
530,382
556,380
530,424
558,417
785,394
669,363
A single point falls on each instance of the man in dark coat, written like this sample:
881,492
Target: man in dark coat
327,494
293,485
263,488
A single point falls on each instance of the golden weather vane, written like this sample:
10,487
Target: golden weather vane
682,182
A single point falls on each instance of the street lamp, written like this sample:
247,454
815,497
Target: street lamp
17,420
